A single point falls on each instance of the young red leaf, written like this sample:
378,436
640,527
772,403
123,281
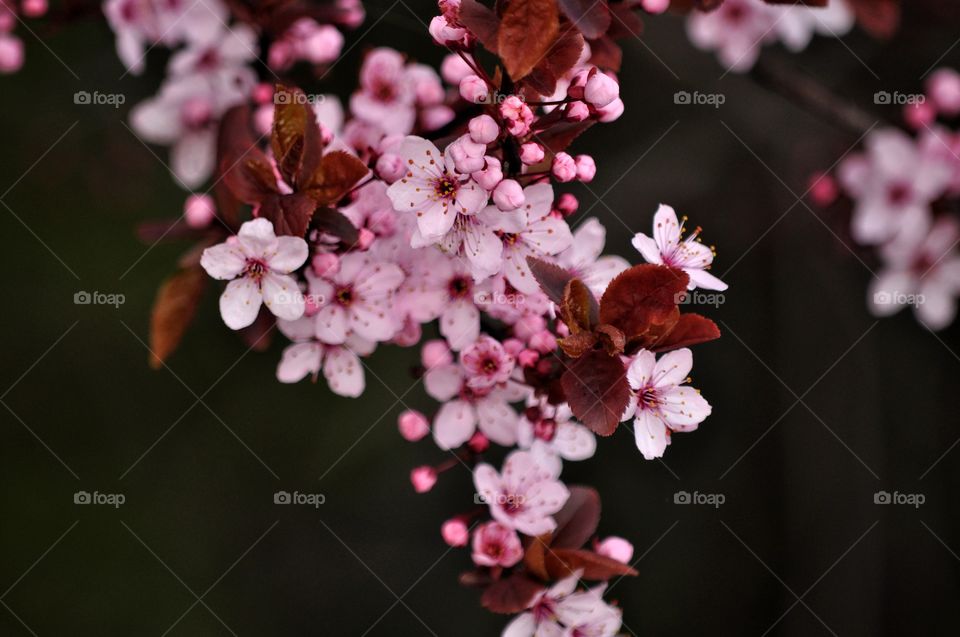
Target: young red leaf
527,29
563,562
596,389
290,214
576,345
533,557
561,135
691,329
592,17
551,277
642,302
481,21
561,57
579,308
337,173
578,519
173,310
511,595
334,222
296,136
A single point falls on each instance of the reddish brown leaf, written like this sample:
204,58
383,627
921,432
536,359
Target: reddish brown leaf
290,214
527,29
246,172
691,329
511,595
293,123
560,58
563,562
337,173
591,17
626,22
595,386
578,308
481,21
613,340
533,558
475,579
606,53
551,277
578,519
173,310
642,302
334,222
561,135
576,345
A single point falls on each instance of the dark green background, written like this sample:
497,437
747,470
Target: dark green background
796,503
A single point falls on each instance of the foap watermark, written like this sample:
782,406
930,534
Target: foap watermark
110,499
898,298
499,298
910,499
699,297
710,499
508,500
296,97
898,98
686,98
497,98
86,98
309,499
99,298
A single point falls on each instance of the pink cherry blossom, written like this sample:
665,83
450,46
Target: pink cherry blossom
668,247
433,190
660,403
495,544
257,263
486,363
524,496
304,358
551,434
542,620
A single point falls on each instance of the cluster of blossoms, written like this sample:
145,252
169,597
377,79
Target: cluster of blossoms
11,47
738,29
904,190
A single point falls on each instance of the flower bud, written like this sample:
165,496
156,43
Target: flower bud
34,8
586,168
577,111
531,153
944,90
423,478
600,90
490,176
478,443
467,155
11,53
655,6
413,425
484,129
390,167
567,204
611,112
199,211
454,69
325,264
564,168
455,532
616,548
508,195
528,358
474,89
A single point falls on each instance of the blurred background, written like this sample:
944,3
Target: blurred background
817,406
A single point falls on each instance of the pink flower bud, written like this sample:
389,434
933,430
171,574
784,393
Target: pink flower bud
322,45
517,114
579,81
544,342
390,167
473,89
262,93
528,358
423,478
366,238
564,168
413,425
513,346
919,115
655,6
508,195
325,264
611,112
531,153
467,155
435,353
567,204
823,189
199,211
577,111
455,532
478,443
490,176
281,55
443,33
601,89
34,8
586,168
616,548
453,69
11,54
484,129
434,117
944,89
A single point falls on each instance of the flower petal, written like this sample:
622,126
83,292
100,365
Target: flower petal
240,303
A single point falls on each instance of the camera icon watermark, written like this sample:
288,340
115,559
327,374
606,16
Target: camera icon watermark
309,499
897,98
699,297
898,298
686,98
716,500
98,298
915,500
86,98
296,97
115,500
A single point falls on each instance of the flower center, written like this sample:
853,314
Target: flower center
648,398
445,187
345,296
545,429
255,269
459,287
898,194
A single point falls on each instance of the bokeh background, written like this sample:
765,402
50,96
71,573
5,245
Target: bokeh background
817,406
